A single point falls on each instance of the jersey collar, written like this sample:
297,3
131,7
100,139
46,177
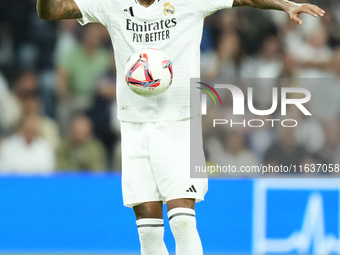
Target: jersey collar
156,1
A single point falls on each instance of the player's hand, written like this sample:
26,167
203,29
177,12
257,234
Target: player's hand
295,9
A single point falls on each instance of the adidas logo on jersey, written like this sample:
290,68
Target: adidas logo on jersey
192,189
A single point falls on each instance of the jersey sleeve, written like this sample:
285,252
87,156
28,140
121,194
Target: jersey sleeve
207,7
93,11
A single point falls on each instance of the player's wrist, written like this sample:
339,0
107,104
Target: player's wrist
290,6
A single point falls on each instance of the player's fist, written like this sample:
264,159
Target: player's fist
295,9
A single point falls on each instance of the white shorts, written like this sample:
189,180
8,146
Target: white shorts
156,162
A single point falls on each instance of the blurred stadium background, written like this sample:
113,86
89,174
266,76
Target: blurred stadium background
60,139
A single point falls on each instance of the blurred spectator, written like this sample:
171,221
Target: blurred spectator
26,85
235,152
27,92
34,38
314,56
309,133
78,71
227,22
226,61
325,103
26,152
332,27
331,149
255,26
285,151
260,139
66,40
37,39
65,44
9,108
267,64
289,67
48,128
292,37
103,112
6,49
81,151
335,63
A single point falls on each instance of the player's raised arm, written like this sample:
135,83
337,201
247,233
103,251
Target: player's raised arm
58,9
293,9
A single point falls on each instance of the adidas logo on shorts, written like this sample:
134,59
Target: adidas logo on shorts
192,189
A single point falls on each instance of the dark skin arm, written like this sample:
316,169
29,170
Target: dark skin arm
68,9
58,9
293,9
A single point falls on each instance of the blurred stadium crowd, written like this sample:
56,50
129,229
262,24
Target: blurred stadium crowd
57,88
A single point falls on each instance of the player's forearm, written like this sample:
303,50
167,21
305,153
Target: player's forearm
282,5
293,9
58,9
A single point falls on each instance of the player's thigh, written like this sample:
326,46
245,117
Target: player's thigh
171,158
138,183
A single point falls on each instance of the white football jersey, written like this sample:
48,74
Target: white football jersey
174,27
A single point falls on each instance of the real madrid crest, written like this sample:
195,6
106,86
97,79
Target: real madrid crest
169,10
